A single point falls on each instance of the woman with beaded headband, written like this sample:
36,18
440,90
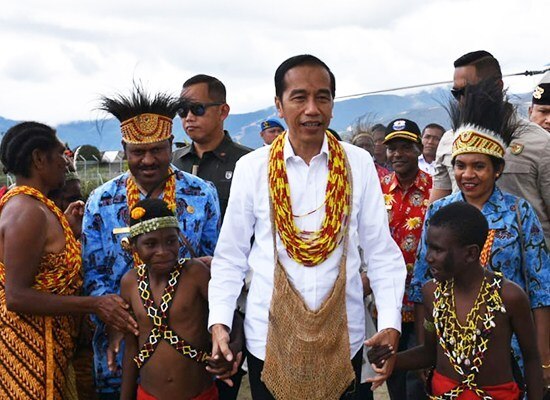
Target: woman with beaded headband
515,243
40,272
169,297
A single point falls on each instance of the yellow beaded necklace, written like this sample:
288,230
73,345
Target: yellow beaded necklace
311,248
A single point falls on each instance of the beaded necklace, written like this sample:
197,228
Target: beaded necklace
466,345
487,247
306,247
133,193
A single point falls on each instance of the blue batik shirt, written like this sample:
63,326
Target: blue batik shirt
507,256
105,262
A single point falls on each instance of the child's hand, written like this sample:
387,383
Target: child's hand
378,355
224,369
114,339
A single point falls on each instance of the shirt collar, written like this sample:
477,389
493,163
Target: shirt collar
288,151
420,182
220,152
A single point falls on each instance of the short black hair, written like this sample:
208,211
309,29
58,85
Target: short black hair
140,102
292,62
20,141
378,127
216,89
433,125
485,64
154,208
465,221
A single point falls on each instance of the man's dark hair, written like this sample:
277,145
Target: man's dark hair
465,221
20,141
216,89
378,127
433,125
154,208
485,64
292,62
140,102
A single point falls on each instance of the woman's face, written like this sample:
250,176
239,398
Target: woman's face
475,176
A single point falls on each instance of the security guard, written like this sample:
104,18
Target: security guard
212,154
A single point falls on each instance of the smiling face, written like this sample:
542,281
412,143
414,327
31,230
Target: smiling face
158,249
306,103
149,162
403,156
475,176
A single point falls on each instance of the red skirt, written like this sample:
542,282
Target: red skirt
506,391
209,394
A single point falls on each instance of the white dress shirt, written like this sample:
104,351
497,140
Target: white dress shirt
425,166
248,214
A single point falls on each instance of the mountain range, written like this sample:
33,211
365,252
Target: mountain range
422,107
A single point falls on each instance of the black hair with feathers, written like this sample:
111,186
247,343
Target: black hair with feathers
140,102
484,105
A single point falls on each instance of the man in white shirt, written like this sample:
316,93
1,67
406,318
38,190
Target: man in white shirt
311,235
431,135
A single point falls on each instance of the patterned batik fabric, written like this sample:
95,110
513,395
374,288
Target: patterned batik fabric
36,351
105,262
507,255
406,211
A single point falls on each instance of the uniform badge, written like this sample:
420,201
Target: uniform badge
228,174
399,125
537,94
190,209
516,148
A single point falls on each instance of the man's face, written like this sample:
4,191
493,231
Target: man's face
71,192
205,128
430,141
463,77
444,254
269,134
540,115
403,156
149,162
306,104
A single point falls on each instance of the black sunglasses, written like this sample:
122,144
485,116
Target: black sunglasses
458,93
198,109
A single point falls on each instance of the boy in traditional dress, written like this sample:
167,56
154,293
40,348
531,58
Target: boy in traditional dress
472,314
169,298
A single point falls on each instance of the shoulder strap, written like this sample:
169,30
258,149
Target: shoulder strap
522,249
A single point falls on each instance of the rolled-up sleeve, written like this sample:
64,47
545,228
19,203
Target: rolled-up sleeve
386,267
230,262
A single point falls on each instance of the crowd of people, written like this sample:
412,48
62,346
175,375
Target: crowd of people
262,262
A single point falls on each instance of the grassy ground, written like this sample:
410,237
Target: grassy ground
244,392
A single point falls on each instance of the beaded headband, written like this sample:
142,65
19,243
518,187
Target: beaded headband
474,139
146,128
153,224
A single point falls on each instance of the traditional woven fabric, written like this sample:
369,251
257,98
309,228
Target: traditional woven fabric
132,199
310,248
35,351
307,352
146,128
465,345
159,318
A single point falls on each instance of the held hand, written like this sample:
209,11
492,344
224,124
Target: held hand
74,214
388,336
221,352
378,355
114,338
113,310
222,369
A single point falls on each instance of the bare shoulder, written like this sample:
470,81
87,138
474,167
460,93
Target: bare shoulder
24,213
513,296
128,283
198,269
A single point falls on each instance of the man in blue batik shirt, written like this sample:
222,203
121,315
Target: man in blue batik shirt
146,125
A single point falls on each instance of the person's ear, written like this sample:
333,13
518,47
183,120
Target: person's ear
279,106
224,111
38,158
472,253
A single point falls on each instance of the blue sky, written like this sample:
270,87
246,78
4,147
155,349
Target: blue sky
58,57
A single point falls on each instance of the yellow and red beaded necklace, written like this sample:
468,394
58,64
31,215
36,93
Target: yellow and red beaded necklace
132,198
311,248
